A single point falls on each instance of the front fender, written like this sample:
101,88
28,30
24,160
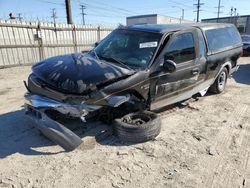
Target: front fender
120,92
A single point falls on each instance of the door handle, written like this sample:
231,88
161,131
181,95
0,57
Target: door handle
195,71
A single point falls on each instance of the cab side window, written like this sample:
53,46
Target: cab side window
181,49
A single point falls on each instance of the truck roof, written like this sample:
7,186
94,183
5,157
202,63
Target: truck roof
165,28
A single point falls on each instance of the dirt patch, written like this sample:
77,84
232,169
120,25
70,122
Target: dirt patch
3,92
202,144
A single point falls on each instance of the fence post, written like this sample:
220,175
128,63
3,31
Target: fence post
98,33
74,38
40,42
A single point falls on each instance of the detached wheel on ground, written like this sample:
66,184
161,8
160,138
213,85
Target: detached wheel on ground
220,82
137,127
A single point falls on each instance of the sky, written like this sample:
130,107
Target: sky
112,12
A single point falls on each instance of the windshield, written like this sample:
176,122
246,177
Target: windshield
245,38
132,48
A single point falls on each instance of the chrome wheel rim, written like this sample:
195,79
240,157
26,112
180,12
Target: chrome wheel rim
222,80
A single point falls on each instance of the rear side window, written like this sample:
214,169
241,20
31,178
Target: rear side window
202,47
222,38
181,48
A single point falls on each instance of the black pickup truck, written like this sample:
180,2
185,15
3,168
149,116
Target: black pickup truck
135,70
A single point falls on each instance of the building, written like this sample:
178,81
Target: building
241,22
154,19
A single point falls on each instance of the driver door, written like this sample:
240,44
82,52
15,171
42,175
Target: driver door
176,86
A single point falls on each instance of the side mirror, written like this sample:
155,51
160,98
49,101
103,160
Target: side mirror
96,44
169,66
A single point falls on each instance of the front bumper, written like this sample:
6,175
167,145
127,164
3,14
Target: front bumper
36,107
54,130
73,110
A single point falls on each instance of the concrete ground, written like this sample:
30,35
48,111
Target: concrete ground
206,144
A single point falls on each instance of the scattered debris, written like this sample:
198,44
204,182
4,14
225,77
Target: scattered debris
184,165
119,153
244,182
233,142
196,136
193,108
170,174
211,151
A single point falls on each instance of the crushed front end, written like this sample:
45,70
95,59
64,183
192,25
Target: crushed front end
40,102
76,86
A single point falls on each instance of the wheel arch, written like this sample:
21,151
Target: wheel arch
227,65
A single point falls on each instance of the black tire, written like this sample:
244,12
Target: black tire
220,82
137,127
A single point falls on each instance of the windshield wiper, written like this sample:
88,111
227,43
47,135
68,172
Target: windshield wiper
115,60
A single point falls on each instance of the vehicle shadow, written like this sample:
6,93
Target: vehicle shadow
18,134
242,75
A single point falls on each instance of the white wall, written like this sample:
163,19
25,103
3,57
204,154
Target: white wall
143,20
157,19
170,20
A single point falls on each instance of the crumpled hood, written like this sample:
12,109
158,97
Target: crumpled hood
76,73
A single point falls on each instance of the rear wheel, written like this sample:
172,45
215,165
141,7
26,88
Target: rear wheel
220,82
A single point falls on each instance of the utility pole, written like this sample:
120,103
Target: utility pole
54,15
19,17
83,13
182,12
235,17
68,11
231,11
231,14
198,6
218,12
235,11
182,15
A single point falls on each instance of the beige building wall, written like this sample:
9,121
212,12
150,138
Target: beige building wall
142,20
154,19
170,20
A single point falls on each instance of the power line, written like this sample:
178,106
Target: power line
83,7
198,6
179,3
113,7
182,12
105,9
49,2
